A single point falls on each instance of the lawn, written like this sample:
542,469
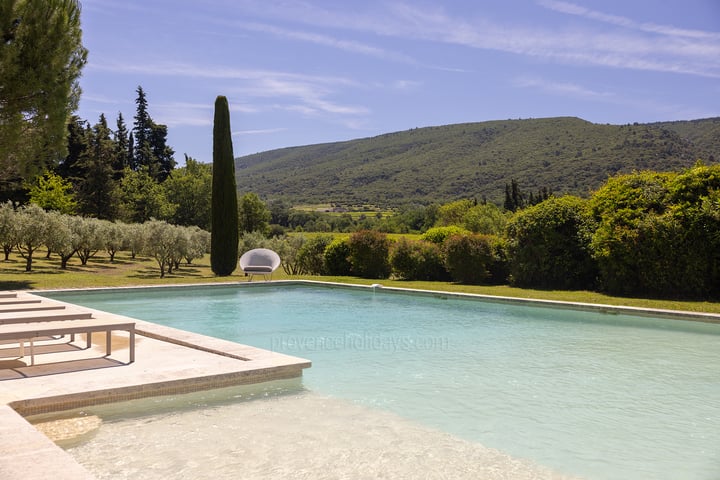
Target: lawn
126,271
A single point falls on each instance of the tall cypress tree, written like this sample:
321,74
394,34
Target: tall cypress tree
224,216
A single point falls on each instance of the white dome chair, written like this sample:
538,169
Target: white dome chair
259,261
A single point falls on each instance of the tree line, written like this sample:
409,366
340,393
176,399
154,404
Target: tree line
119,174
649,234
29,229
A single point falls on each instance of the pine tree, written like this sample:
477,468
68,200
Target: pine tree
123,153
98,190
150,149
164,162
224,214
41,57
77,143
142,130
131,152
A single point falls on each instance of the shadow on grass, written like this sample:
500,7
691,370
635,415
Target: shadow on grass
16,284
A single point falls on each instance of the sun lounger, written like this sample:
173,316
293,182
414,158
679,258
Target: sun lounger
29,307
16,301
33,330
29,316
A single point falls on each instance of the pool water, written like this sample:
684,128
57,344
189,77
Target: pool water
584,393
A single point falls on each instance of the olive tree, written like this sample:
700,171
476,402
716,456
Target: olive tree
199,243
161,243
180,247
136,238
8,228
32,232
115,237
92,238
63,236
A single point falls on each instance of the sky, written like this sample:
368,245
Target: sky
301,72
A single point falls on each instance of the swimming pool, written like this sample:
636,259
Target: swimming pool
585,393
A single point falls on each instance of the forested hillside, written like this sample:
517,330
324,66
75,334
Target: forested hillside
439,164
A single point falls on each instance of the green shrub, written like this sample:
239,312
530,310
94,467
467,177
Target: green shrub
499,268
369,254
251,240
549,245
469,258
438,235
485,218
659,234
417,260
289,250
312,255
337,256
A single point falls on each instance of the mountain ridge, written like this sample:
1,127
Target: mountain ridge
567,155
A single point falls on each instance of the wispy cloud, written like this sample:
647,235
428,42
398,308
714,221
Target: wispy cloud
262,131
306,94
565,89
183,114
683,51
573,9
104,99
350,46
580,92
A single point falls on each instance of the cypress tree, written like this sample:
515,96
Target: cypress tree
224,216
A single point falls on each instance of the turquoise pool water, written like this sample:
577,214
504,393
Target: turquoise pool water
589,394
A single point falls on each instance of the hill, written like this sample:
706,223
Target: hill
444,163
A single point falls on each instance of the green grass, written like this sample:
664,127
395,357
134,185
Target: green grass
580,296
125,271
100,272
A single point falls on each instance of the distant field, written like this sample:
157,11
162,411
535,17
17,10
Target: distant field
391,236
355,212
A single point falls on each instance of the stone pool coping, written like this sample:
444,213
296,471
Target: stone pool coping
209,363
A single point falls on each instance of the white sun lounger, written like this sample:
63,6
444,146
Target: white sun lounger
30,316
28,307
32,330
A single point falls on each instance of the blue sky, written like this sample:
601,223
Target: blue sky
309,71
